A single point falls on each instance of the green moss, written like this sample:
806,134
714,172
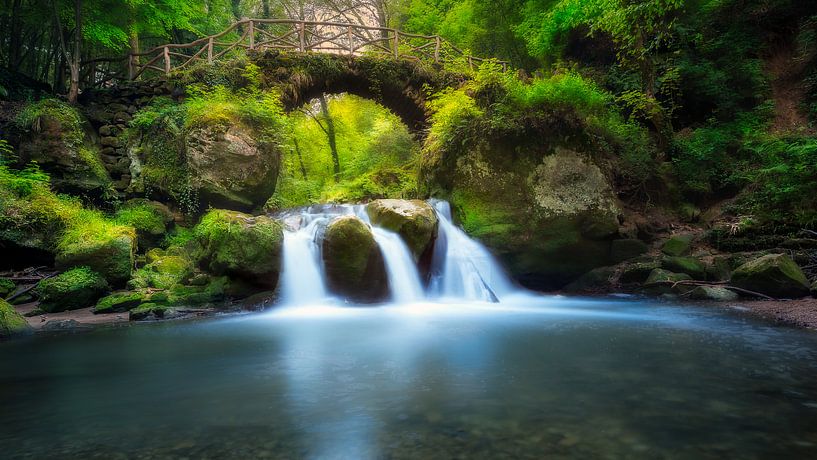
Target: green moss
240,245
76,288
98,243
678,245
147,311
11,322
70,121
143,217
119,302
692,267
163,272
7,286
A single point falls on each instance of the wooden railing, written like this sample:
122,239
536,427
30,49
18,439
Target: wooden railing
278,34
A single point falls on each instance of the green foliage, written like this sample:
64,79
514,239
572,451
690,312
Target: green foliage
22,182
34,115
497,105
142,217
376,153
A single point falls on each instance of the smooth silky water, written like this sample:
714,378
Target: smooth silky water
470,368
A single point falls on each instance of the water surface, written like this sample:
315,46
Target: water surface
555,378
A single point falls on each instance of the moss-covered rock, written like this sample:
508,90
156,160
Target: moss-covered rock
775,275
11,322
414,220
148,311
163,272
241,246
638,271
119,302
232,166
53,135
7,286
549,213
691,266
110,253
150,219
77,288
678,245
353,262
660,282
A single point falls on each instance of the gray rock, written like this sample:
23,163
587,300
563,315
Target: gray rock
714,293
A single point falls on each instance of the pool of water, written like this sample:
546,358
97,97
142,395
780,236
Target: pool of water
531,378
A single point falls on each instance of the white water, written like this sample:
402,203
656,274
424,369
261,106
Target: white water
404,280
461,270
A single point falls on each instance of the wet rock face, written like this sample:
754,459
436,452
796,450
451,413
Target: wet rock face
231,168
11,322
414,220
550,217
775,275
353,262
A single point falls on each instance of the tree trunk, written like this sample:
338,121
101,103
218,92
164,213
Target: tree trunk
330,133
73,90
300,158
265,9
16,32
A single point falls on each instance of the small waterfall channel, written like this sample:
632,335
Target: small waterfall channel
461,268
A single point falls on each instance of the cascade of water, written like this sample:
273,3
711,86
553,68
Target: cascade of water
461,267
401,270
302,279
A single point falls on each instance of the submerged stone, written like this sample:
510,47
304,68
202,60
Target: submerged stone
714,293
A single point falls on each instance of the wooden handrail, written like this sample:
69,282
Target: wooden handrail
302,36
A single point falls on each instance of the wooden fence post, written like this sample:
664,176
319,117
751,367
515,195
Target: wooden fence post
167,60
437,47
130,67
396,43
351,42
252,34
210,50
302,36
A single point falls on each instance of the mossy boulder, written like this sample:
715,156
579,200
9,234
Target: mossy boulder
11,322
148,311
53,135
353,262
163,272
119,302
662,282
678,245
713,293
691,266
110,253
241,246
232,166
775,275
549,213
414,220
638,271
77,288
7,286
150,219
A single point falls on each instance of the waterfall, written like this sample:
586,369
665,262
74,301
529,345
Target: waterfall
302,280
400,267
461,267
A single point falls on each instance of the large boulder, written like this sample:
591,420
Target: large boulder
53,135
775,275
678,245
549,214
77,288
110,253
353,262
231,167
11,322
241,246
414,220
